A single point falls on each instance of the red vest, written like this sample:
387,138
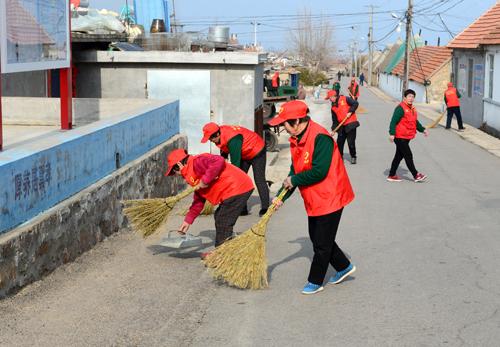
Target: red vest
407,126
342,109
231,182
334,191
352,90
252,143
275,82
451,97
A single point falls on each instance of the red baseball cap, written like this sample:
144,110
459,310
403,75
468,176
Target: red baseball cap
208,130
290,110
173,158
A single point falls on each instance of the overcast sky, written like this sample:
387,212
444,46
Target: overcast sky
275,21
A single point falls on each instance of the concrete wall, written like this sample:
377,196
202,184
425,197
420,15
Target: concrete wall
471,102
47,111
39,174
235,79
32,83
391,84
439,83
74,226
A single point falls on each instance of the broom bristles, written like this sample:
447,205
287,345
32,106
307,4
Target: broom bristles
241,262
436,121
146,215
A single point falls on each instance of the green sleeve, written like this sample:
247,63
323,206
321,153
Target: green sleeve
290,192
458,94
420,127
396,117
234,145
445,99
321,161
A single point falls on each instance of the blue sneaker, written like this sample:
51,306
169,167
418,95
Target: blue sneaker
311,288
341,275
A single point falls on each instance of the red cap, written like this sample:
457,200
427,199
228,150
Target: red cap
173,158
290,110
450,84
208,130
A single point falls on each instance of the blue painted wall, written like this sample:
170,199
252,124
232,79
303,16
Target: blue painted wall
147,10
33,180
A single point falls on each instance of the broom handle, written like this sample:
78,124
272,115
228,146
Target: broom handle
185,193
338,126
436,121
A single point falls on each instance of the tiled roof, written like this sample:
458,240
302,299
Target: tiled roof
483,31
23,28
389,56
424,62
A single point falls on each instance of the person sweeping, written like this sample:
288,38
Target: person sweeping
344,108
218,182
353,88
403,128
318,171
245,148
452,99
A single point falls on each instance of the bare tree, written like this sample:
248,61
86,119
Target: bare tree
312,40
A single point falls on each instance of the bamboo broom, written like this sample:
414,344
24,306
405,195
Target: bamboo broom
146,215
436,121
208,210
241,262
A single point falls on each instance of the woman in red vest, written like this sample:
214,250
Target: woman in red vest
403,128
275,83
218,182
245,149
317,169
343,107
451,98
353,89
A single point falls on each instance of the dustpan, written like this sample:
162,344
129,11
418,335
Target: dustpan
181,241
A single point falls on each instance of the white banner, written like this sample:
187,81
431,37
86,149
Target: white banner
34,35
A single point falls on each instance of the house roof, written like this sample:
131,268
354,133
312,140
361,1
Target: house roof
23,28
424,62
483,31
389,56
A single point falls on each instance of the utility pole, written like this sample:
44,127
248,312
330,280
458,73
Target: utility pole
254,23
370,47
409,14
173,23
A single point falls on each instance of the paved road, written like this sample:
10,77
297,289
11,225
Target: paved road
426,254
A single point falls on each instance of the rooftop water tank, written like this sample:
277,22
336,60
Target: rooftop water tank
218,34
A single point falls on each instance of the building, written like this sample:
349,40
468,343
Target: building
476,61
430,70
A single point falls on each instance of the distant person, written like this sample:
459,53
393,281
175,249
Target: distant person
245,148
339,75
336,86
353,88
342,108
404,125
301,92
451,98
275,83
361,78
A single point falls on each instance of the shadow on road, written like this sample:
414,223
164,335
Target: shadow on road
305,251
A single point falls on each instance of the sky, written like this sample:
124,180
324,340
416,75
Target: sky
349,18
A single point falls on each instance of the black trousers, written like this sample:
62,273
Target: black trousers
351,141
403,151
226,215
258,164
322,231
454,110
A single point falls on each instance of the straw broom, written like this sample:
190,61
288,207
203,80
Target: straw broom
146,215
436,121
241,262
208,210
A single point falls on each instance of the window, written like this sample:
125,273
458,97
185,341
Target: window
491,68
469,80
